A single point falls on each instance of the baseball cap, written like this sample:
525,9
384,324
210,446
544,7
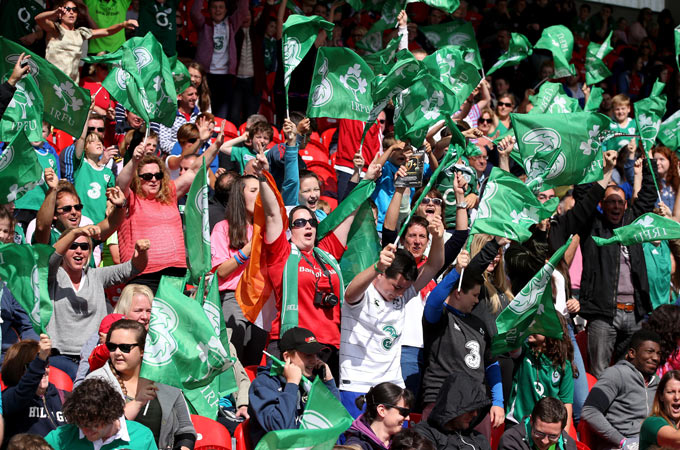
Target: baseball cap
300,339
108,321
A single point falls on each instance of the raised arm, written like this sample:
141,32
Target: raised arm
433,306
183,183
272,214
66,239
392,213
436,258
125,176
291,178
45,216
113,29
356,288
196,14
46,20
111,222
402,25
648,194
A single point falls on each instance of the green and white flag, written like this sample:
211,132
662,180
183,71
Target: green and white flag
299,34
341,85
669,131
449,6
24,112
383,88
182,348
560,42
551,98
20,170
197,224
648,114
24,269
65,103
518,50
456,32
508,208
363,244
290,4
421,106
448,65
574,139
596,69
531,312
594,100
677,45
389,12
646,228
381,61
323,421
357,197
180,74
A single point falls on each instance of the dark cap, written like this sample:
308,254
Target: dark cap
300,339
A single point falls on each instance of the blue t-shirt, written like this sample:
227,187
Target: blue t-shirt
177,150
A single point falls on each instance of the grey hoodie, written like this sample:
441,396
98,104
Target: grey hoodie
618,403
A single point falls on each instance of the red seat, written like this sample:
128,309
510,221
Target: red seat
591,381
496,434
414,418
242,435
586,435
327,137
332,202
228,126
582,341
314,151
581,446
572,431
60,379
211,435
251,371
60,139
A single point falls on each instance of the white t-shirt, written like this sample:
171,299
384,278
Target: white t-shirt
370,345
220,58
560,293
412,335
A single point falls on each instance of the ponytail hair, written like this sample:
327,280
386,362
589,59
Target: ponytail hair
382,394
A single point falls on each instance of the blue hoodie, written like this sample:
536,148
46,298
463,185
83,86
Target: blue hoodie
15,322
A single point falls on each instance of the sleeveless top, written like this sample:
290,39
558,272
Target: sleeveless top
64,50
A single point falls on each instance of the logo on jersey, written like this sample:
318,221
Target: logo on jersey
388,342
556,376
473,358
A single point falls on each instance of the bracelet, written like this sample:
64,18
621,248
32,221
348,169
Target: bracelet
238,260
124,205
375,267
243,256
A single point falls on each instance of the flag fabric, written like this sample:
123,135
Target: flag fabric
20,170
445,5
648,114
66,104
389,12
24,111
508,208
363,244
182,348
141,79
519,49
559,41
594,99
669,131
596,69
253,289
197,224
383,88
341,85
457,32
551,98
677,45
646,228
448,65
292,6
574,139
382,61
322,422
531,312
299,34
180,74
358,196
24,269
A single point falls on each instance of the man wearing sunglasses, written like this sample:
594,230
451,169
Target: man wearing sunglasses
542,430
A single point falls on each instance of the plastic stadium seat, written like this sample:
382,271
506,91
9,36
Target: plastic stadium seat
60,379
591,381
242,435
496,434
327,137
414,418
251,371
586,435
314,151
581,446
229,127
211,435
572,431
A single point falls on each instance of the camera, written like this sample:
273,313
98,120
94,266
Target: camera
325,299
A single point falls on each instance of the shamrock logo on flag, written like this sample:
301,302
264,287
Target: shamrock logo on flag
430,107
592,144
66,91
160,343
353,82
22,98
646,221
649,128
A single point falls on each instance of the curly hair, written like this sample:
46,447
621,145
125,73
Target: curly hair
164,194
84,406
672,178
664,321
25,441
559,351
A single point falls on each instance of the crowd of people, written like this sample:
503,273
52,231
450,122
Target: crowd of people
404,340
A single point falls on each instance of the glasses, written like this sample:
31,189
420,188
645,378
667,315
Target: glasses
99,129
507,105
478,157
540,435
71,9
149,176
125,348
301,223
192,140
489,121
434,201
68,208
84,246
403,412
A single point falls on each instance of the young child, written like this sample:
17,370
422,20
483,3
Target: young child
91,176
622,124
246,147
396,153
7,232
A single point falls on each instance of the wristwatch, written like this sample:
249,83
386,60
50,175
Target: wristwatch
462,205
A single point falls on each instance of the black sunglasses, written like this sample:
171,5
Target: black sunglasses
509,105
68,208
125,348
301,223
149,176
435,201
192,140
100,129
71,8
403,412
485,120
84,246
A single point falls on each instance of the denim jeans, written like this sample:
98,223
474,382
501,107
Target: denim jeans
581,382
607,339
412,368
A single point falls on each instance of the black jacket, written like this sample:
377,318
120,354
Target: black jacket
519,438
457,397
6,94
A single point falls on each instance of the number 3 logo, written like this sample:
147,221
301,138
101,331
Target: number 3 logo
95,191
472,359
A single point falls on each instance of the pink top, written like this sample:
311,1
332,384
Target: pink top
576,268
159,223
220,251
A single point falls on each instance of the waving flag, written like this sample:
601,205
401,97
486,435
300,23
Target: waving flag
594,100
648,114
449,66
551,98
456,32
24,112
669,131
197,224
20,170
519,49
596,69
646,228
382,61
560,42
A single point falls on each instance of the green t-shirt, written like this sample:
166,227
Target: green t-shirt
106,13
618,142
67,437
536,378
649,429
34,198
658,263
242,155
91,184
502,128
19,235
18,18
159,19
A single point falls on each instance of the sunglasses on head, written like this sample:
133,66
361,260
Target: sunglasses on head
84,246
100,129
125,348
149,176
485,120
301,223
71,8
435,201
68,208
403,412
507,105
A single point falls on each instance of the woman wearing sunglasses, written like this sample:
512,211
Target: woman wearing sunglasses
506,105
77,291
159,407
30,403
387,407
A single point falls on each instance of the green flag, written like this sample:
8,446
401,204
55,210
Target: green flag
24,112
382,61
456,32
389,12
182,348
197,224
449,66
519,49
20,170
299,34
341,85
508,208
677,45
594,99
648,114
551,98
359,195
560,42
65,104
596,69
322,422
180,74
531,312
383,88
290,4
449,6
363,244
576,138
646,228
24,269
669,131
